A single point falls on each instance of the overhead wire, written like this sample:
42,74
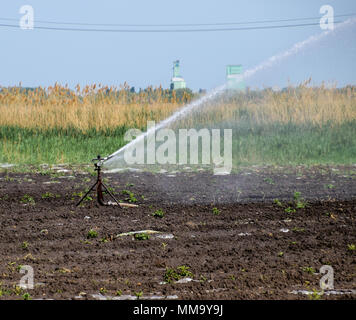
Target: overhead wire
57,25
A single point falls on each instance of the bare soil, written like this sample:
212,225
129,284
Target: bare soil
249,247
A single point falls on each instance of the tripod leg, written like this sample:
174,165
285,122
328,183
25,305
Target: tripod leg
99,192
112,196
86,194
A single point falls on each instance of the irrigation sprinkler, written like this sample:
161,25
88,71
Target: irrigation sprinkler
98,162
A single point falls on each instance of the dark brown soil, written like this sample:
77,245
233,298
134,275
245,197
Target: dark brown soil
238,251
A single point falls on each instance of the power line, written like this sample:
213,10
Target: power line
179,25
169,30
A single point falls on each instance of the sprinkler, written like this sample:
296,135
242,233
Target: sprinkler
98,162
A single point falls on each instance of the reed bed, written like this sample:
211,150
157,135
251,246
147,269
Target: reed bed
108,108
295,125
93,107
300,105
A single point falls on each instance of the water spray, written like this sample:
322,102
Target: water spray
197,104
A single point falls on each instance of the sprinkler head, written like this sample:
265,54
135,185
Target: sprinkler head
98,162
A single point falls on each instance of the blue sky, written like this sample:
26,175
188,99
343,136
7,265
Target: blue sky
42,57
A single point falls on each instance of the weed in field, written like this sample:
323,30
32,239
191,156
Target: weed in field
297,195
138,294
118,293
131,197
81,194
216,211
296,229
26,296
300,203
158,213
18,268
316,295
310,270
11,265
29,257
27,199
49,195
290,210
8,179
17,290
111,189
63,270
24,245
141,236
4,291
180,272
351,247
92,234
268,180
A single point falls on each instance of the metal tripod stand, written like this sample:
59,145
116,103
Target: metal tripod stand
99,184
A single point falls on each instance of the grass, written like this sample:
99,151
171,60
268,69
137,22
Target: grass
272,144
301,125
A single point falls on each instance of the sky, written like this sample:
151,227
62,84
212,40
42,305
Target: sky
43,57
